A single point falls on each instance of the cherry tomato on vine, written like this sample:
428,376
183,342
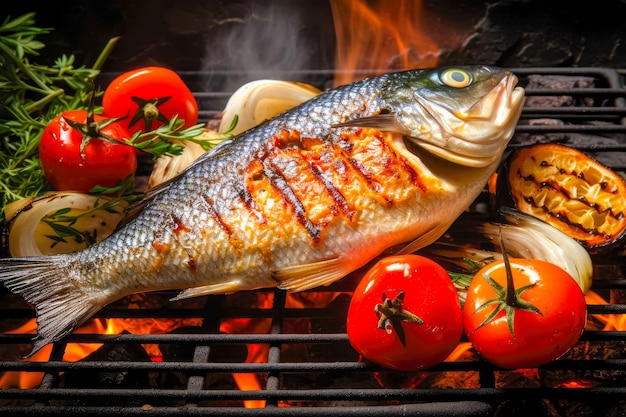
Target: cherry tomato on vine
405,314
103,161
150,97
539,321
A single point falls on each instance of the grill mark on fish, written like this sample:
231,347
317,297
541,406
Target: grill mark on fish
160,241
191,262
380,164
278,181
159,245
250,204
213,212
363,172
179,226
399,162
339,199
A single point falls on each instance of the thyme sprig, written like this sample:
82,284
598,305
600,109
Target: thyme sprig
62,222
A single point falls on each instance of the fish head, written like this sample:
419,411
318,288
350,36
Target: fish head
466,115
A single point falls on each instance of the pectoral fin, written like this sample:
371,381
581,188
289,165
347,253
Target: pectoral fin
307,276
222,288
386,122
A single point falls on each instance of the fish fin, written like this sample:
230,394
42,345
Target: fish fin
222,288
133,210
304,277
424,240
43,281
385,122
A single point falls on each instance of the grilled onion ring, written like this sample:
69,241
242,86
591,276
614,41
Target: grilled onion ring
30,236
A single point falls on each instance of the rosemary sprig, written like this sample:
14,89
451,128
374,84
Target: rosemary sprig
170,139
31,95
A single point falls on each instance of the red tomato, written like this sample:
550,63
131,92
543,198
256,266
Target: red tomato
405,314
548,319
101,162
150,97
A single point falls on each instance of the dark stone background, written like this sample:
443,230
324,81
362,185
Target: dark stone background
291,35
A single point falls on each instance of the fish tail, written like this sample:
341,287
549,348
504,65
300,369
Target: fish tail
44,282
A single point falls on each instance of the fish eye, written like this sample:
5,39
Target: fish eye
455,77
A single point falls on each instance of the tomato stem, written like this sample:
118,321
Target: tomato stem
511,298
105,53
507,299
92,129
391,315
149,111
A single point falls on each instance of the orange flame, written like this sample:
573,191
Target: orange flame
73,353
459,352
610,321
77,351
256,353
380,35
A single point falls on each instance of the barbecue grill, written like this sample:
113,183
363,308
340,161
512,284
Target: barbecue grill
308,367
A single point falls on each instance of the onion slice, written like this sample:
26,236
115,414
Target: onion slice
524,236
33,232
260,100
534,239
167,167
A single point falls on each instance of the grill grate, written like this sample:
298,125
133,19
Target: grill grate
310,368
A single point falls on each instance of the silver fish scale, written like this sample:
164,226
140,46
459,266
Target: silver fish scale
217,178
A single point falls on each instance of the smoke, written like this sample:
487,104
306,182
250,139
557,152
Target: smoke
260,40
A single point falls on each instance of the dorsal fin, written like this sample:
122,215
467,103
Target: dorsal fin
133,210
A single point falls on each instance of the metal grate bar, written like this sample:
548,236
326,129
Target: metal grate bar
598,128
443,409
341,395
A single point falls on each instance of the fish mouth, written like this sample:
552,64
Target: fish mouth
475,136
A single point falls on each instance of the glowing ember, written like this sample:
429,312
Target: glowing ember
462,350
310,299
577,383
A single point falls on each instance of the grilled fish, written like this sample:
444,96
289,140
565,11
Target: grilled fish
297,202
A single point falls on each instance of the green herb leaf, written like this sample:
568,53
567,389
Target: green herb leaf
31,95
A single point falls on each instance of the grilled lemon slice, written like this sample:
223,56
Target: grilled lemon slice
571,191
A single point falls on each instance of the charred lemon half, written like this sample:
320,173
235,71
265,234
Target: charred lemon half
571,191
